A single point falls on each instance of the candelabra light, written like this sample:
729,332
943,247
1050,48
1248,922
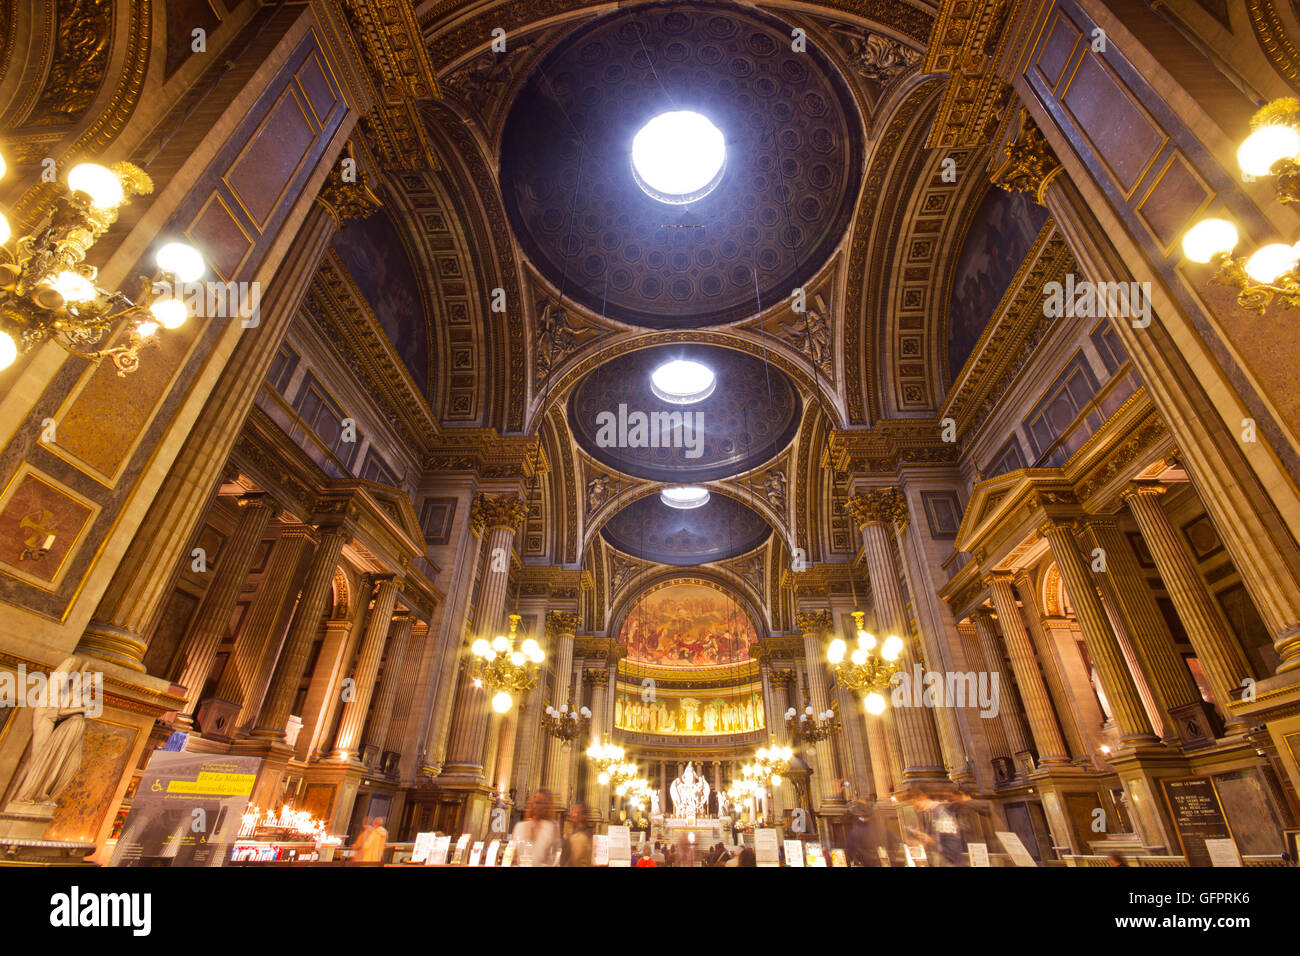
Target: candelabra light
609,764
870,666
563,723
1269,273
769,764
505,669
810,726
48,291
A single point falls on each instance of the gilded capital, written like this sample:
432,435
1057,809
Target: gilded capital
1027,163
498,511
815,623
878,506
561,622
349,198
1143,488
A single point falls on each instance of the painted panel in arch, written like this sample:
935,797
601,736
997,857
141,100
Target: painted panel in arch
84,804
687,625
1001,235
377,260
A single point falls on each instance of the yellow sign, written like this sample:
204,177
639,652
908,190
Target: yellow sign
215,785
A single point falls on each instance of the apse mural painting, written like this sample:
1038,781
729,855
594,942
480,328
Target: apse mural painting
1001,235
687,625
700,714
380,267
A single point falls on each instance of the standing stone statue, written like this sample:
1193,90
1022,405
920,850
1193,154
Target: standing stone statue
58,730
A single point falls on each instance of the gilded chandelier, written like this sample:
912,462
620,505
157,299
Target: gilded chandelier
1269,273
610,766
504,669
563,723
768,766
48,291
870,666
812,727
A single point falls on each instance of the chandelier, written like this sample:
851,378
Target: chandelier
812,727
610,766
636,791
768,766
48,291
565,724
870,667
1272,149
505,669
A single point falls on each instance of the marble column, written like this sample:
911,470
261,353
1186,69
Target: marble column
501,515
776,685
1122,693
233,564
1033,692
1219,652
385,692
379,623
1170,680
524,773
395,737
560,628
876,513
274,719
129,608
325,691
1067,708
1009,704
263,624
814,625
994,727
596,797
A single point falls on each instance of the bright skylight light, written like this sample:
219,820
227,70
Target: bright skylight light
685,496
682,382
678,157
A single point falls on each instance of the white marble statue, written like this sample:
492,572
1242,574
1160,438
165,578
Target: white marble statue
654,802
690,793
723,805
57,732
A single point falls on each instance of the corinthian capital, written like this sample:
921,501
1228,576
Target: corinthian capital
878,506
350,198
498,511
813,622
561,622
1027,164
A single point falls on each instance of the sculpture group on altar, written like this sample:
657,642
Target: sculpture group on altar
690,793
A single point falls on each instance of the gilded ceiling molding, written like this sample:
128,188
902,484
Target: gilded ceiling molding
506,334
888,446
336,305
83,29
1017,327
518,16
487,453
568,473
969,40
860,384
1027,163
1271,33
388,41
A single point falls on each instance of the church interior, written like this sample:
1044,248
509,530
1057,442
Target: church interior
810,432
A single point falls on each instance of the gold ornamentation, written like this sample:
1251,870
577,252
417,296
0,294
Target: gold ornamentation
348,200
498,511
562,622
1027,164
885,506
815,623
80,61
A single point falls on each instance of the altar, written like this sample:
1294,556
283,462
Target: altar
706,830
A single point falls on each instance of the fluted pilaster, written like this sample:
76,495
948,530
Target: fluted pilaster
233,563
1009,703
379,624
297,644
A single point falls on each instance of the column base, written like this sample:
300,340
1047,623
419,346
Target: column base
108,642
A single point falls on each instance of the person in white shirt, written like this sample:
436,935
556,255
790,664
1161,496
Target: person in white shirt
537,836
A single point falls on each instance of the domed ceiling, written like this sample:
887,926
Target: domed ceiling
719,529
751,415
793,164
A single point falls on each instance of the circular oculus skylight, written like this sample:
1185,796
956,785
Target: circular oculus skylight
678,157
685,496
682,382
